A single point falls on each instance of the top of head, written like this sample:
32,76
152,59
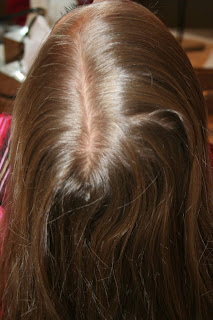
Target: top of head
110,86
109,205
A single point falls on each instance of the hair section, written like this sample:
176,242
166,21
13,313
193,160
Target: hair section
109,211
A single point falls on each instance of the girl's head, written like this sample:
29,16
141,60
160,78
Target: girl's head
109,209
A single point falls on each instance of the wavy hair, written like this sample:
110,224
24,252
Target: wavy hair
109,211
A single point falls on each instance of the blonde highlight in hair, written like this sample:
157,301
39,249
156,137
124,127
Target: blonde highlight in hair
109,212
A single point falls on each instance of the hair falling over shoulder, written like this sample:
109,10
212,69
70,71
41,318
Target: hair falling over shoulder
109,211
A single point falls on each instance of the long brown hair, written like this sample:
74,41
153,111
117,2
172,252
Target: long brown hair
109,211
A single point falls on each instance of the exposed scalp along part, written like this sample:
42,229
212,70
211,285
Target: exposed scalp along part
90,137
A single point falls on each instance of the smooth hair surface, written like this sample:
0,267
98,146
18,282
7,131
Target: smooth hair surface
109,210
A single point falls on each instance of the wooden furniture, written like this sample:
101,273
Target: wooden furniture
8,88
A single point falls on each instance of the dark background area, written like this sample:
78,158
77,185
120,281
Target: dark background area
2,7
199,13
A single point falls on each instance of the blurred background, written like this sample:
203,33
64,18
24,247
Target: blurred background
25,24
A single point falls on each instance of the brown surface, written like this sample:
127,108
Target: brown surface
210,127
205,77
13,50
209,100
6,105
197,51
8,85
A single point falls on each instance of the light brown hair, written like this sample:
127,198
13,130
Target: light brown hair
109,212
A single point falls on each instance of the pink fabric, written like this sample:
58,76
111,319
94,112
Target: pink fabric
1,213
5,123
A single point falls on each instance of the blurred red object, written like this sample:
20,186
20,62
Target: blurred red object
13,6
